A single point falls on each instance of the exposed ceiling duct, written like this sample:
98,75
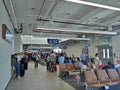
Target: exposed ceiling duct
40,11
70,22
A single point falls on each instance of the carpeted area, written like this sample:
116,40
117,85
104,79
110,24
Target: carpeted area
72,81
80,86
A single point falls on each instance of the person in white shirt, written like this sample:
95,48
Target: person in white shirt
96,59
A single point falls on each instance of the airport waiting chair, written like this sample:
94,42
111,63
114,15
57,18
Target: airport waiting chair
118,71
103,78
113,75
90,65
63,70
91,80
70,67
72,70
62,67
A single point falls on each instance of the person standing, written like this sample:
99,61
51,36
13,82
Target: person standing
24,62
36,60
17,65
97,60
48,61
61,59
34,56
52,60
13,61
83,58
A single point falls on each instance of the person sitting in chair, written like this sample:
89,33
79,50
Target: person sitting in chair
109,66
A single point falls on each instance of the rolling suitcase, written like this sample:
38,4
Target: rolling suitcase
22,71
55,68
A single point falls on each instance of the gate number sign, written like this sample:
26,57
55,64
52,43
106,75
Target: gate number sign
53,41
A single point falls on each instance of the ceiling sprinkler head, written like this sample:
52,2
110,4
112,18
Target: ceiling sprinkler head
51,22
109,28
33,8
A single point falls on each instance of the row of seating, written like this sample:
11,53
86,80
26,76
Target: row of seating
101,78
72,67
66,67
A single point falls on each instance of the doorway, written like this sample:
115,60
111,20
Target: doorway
105,53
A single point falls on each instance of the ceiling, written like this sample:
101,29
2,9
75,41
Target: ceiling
60,18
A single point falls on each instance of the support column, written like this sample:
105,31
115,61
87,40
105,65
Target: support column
17,43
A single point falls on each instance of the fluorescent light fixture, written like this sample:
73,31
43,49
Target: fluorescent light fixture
78,31
32,38
28,36
67,38
94,4
57,35
78,38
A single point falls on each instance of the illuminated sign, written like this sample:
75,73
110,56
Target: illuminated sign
53,41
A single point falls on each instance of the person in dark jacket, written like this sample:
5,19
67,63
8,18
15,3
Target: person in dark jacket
109,66
24,62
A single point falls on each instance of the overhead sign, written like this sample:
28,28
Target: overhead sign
104,42
53,41
115,27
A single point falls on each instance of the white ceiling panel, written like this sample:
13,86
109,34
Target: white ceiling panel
20,8
66,10
67,15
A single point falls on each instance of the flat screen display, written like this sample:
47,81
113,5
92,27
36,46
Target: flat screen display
6,34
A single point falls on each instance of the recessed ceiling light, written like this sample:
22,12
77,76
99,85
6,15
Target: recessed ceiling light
33,8
29,24
26,35
68,13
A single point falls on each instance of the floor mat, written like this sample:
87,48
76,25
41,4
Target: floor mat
72,81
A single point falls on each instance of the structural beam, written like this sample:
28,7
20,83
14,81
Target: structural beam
88,31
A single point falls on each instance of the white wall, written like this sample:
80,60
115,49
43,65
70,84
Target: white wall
5,50
116,45
76,49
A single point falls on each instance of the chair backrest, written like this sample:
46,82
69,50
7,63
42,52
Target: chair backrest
113,75
90,77
119,72
90,65
70,66
75,64
84,68
102,76
62,67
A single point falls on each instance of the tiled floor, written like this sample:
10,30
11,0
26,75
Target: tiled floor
38,79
